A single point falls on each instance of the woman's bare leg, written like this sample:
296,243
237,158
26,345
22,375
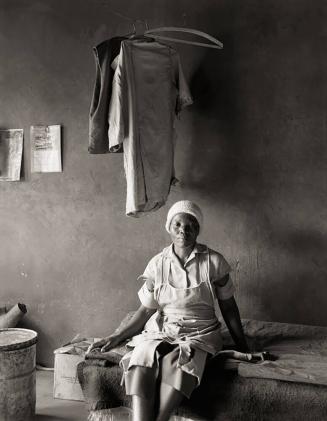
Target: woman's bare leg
170,399
143,408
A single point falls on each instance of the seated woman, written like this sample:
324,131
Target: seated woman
175,327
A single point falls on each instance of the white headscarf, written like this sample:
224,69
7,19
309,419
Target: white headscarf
184,206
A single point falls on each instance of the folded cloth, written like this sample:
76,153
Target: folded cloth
113,356
98,362
110,357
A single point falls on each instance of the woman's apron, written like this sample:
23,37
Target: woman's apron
185,317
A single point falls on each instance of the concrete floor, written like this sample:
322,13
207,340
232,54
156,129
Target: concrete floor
50,409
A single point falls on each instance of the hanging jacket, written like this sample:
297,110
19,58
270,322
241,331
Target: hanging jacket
104,54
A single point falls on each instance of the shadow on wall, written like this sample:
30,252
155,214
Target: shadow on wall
238,157
299,290
227,168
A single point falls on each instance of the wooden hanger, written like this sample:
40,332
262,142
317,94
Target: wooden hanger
215,42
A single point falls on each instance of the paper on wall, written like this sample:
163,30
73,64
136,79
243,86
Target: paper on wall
11,151
46,148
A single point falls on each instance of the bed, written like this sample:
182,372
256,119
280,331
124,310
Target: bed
293,387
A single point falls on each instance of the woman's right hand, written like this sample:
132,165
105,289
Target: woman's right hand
105,344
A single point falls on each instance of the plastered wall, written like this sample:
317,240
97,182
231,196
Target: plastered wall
251,152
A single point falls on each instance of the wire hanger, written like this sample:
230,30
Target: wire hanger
137,32
215,42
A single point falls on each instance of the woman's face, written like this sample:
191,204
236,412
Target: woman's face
184,229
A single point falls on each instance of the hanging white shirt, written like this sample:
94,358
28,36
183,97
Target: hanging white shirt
148,90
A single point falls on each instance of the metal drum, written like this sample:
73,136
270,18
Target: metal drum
17,374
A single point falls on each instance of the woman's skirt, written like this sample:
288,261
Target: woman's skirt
142,381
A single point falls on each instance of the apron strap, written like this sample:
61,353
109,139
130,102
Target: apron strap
163,269
207,278
162,272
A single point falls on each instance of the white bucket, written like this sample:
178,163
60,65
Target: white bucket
17,374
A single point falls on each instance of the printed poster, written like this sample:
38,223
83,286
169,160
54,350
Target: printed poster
46,148
11,152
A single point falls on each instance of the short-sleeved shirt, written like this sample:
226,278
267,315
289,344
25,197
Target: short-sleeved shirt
187,275
184,298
